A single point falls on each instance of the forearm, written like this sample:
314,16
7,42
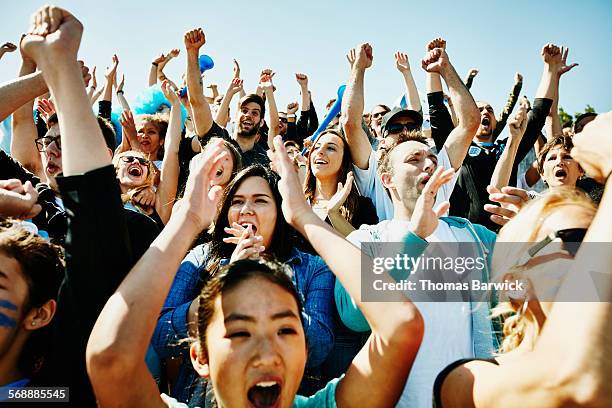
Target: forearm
510,103
440,119
124,103
202,117
273,117
153,74
412,92
17,92
340,223
96,95
305,99
503,168
222,115
108,89
469,80
453,115
23,146
433,82
168,184
352,115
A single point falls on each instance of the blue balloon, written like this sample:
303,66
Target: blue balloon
333,111
206,63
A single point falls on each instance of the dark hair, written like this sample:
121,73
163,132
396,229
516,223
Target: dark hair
42,267
560,140
160,121
382,105
230,276
108,131
384,165
310,184
282,239
258,100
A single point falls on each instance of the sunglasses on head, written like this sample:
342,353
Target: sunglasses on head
571,237
130,159
43,143
398,127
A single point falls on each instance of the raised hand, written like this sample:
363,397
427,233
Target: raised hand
510,200
342,193
518,123
119,87
424,218
172,54
364,57
111,71
170,92
54,33
563,68
194,40
160,59
401,62
435,60
200,199
551,54
294,204
46,109
235,86
292,108
473,72
18,200
94,81
439,43
351,57
7,47
518,78
129,129
302,80
236,69
265,79
593,147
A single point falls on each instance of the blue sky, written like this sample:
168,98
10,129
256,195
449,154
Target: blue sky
499,38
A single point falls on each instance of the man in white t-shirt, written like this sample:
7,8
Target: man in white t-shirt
418,191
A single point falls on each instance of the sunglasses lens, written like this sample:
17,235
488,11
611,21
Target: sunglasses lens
572,238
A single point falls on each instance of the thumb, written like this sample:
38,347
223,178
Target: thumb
442,209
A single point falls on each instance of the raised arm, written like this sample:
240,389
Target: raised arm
352,106
403,66
6,48
378,373
303,122
168,183
441,121
23,145
512,99
153,69
458,142
265,82
202,116
469,79
162,64
503,168
110,75
120,94
222,113
120,338
553,123
16,92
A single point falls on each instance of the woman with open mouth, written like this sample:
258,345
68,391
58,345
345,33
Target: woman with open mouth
250,336
249,225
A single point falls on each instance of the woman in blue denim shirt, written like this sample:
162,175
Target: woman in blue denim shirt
249,213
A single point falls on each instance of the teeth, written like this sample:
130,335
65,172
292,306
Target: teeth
266,384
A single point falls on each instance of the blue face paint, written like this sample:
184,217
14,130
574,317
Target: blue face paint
7,305
7,321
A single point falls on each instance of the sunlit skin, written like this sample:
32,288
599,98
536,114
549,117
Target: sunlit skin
376,119
149,138
52,157
560,169
254,204
255,335
132,174
326,156
249,117
413,163
487,123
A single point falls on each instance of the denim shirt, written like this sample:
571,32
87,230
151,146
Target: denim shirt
312,278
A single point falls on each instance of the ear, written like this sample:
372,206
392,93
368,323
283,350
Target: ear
387,180
41,316
199,360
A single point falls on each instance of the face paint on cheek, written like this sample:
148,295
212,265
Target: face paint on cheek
6,321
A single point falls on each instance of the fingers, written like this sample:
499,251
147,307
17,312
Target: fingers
442,209
501,212
499,220
439,178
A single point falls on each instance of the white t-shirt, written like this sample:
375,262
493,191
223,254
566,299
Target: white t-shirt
370,185
448,325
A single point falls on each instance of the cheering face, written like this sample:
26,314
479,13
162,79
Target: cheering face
132,171
149,138
376,118
13,296
254,205
256,346
326,156
413,164
282,123
560,169
249,119
487,122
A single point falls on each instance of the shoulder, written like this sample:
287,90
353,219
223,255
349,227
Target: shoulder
454,386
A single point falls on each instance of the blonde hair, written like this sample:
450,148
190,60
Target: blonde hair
525,227
148,182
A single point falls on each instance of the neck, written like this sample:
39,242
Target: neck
326,188
246,143
9,371
124,189
402,210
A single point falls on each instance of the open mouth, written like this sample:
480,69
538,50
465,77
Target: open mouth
264,394
485,121
560,173
52,168
246,225
247,123
320,161
135,171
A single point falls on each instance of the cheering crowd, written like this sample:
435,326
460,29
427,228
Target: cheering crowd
198,250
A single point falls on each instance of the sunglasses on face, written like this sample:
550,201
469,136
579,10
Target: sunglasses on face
378,114
396,128
130,159
571,237
43,143
283,120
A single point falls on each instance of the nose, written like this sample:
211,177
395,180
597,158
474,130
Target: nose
246,208
53,149
267,353
429,166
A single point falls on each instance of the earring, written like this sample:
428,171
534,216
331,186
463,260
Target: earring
33,322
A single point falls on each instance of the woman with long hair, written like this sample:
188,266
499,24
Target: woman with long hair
251,342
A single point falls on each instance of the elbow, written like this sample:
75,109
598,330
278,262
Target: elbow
107,362
409,328
349,125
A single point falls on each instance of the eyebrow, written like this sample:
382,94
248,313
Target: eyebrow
238,317
254,195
